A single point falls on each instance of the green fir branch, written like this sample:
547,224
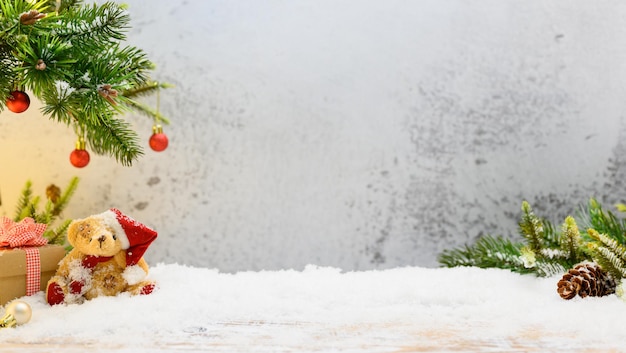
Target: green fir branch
65,197
61,5
45,61
571,241
59,103
545,268
604,221
31,210
499,252
28,207
488,251
606,250
57,235
531,227
67,57
544,252
104,24
607,260
148,88
147,111
24,202
114,136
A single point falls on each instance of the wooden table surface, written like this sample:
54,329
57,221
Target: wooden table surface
304,337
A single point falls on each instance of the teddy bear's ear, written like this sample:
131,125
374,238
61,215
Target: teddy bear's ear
72,231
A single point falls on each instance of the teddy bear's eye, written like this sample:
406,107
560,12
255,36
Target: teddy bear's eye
114,237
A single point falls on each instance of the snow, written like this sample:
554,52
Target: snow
321,309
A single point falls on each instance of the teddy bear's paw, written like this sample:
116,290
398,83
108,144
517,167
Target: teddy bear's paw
76,287
143,288
147,289
55,294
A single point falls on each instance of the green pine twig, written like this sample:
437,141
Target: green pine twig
604,221
24,202
55,204
608,253
571,241
57,236
531,227
488,251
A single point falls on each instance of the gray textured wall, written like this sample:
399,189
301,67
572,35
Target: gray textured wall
358,134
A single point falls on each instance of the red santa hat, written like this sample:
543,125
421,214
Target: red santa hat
134,236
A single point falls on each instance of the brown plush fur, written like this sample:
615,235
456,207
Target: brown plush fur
90,237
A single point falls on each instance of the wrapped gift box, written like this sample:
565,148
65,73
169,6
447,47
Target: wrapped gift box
13,270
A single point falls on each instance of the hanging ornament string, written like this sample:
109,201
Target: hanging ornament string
158,141
157,116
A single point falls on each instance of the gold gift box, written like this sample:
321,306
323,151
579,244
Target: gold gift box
13,270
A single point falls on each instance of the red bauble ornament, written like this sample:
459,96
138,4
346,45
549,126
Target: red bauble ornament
18,101
79,158
158,141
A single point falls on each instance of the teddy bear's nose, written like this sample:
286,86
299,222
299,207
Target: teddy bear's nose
101,239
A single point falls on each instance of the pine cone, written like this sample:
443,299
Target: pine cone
586,279
29,18
53,193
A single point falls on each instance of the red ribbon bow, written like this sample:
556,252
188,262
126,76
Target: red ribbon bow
23,233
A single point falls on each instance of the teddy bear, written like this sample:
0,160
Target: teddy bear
106,259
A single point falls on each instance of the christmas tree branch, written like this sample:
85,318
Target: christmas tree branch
69,55
147,111
147,89
105,23
115,136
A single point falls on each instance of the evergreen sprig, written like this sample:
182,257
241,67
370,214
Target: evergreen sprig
531,227
571,241
28,206
604,221
104,24
116,137
22,210
72,59
608,253
488,251
499,252
545,251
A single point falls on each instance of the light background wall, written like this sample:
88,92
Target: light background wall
357,134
